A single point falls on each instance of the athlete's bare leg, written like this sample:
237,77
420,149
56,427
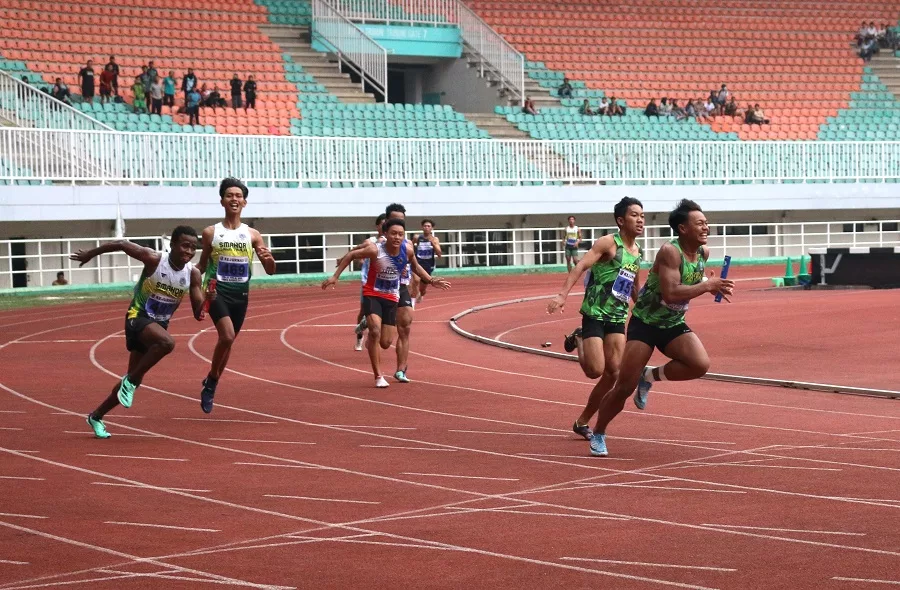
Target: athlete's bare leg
634,359
591,356
689,359
613,348
222,353
404,324
373,343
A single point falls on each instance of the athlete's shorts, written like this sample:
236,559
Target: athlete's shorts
653,336
405,299
383,308
427,264
571,251
232,306
594,328
133,329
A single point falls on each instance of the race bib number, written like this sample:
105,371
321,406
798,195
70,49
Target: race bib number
160,307
387,282
425,251
233,269
623,285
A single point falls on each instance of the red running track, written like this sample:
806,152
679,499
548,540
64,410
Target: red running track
306,476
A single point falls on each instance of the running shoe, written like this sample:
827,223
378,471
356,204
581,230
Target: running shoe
358,346
401,377
643,388
571,343
583,431
126,392
98,426
381,382
361,326
598,445
207,395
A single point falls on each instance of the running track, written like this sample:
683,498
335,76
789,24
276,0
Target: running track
307,476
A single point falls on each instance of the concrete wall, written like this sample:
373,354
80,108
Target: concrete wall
460,87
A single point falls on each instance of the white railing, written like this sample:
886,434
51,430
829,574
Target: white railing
157,158
360,52
36,262
25,106
495,53
399,12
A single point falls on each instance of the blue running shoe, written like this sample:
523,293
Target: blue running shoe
598,445
583,431
640,395
401,377
206,396
126,392
98,426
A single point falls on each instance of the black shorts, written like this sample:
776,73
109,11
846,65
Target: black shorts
653,336
133,329
427,264
594,328
232,306
383,308
405,299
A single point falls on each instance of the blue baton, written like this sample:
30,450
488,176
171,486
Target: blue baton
724,275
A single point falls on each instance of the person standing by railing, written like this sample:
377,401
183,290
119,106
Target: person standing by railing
86,80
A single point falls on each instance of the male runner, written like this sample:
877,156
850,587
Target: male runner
657,320
164,281
613,262
227,257
573,239
361,316
427,247
405,305
388,261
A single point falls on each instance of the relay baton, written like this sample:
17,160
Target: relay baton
723,275
211,286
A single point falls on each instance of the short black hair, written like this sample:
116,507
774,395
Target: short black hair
182,230
621,208
570,217
394,208
60,274
231,182
426,220
391,223
680,213
380,219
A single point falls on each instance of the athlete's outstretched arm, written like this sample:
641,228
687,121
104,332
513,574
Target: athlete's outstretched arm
359,246
369,250
422,273
198,297
148,256
599,251
668,267
436,244
206,239
262,252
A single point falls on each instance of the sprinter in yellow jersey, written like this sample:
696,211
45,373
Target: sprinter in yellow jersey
227,258
164,281
571,243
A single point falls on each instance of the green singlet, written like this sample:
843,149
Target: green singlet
652,309
607,294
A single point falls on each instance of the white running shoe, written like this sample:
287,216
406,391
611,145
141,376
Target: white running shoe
358,346
381,382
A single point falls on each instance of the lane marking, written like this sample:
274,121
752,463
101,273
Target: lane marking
408,448
253,440
459,476
604,459
117,417
762,528
280,465
539,513
116,433
48,341
757,466
128,485
319,499
11,562
561,434
134,457
12,411
10,428
22,478
163,526
373,427
222,420
11,514
867,580
645,564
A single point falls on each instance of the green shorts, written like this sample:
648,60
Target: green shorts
571,252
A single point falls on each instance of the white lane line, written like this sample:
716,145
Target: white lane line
685,489
24,451
279,465
253,440
128,485
117,417
224,420
866,499
134,457
319,499
762,528
12,411
705,442
560,435
11,562
48,341
645,564
21,477
20,515
539,513
89,433
408,448
598,459
867,580
764,466
163,526
373,427
459,476
10,428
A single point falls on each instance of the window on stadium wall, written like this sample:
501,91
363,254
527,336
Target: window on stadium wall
548,246
868,227
297,254
486,248
743,230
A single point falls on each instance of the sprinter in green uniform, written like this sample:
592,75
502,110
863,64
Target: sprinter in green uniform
165,279
227,257
613,262
657,320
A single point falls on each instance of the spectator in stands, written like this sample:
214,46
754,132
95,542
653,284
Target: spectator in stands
193,106
529,108
652,109
732,109
106,83
236,86
722,98
871,31
86,79
149,74
60,279
213,99
665,109
156,96
690,109
61,92
890,37
709,107
604,104
677,111
861,33
169,90
250,93
140,99
188,83
748,115
757,117
586,108
565,89
614,109
867,48
115,67
145,84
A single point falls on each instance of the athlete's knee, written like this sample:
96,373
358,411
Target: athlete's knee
701,366
374,332
611,373
592,372
226,339
166,345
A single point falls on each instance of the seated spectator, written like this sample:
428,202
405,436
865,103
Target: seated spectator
665,109
61,92
529,108
758,117
868,48
586,108
732,109
871,31
140,99
689,109
614,109
890,38
604,105
652,110
565,89
709,108
60,279
861,33
748,115
214,99
677,111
